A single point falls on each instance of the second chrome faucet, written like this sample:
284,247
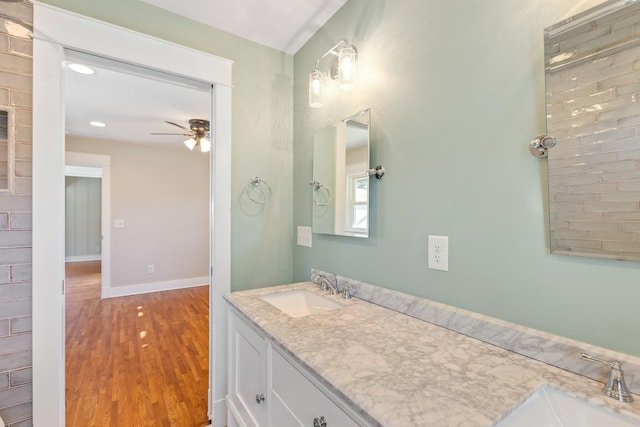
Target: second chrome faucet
615,386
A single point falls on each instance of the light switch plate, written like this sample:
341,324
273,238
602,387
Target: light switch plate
304,236
439,253
118,223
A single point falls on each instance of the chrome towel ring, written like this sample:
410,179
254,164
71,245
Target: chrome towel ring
258,193
318,191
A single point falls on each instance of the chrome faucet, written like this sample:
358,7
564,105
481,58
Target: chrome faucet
615,387
327,285
347,288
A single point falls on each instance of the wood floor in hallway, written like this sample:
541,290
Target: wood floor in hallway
135,361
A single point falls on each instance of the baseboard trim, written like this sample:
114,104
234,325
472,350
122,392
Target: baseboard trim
233,417
83,258
219,416
145,288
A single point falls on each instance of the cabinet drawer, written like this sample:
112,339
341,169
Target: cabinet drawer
303,399
281,415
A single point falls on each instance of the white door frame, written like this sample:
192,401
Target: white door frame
103,162
54,31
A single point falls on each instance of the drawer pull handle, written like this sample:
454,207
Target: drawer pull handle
319,422
259,398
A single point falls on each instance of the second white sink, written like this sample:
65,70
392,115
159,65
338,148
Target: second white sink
300,302
552,407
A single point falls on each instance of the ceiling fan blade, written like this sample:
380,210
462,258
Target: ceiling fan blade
180,126
160,133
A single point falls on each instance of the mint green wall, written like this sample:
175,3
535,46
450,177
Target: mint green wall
457,93
261,238
83,204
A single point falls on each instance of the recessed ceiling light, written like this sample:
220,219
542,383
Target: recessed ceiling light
97,124
82,69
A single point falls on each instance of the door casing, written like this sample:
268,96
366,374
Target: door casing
56,30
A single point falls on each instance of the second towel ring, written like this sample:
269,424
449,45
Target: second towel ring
253,184
319,187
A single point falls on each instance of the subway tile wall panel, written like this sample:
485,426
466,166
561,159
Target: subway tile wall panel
593,109
16,51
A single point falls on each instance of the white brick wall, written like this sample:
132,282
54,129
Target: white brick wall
15,225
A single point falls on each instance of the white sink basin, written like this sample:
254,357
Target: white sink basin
551,407
300,302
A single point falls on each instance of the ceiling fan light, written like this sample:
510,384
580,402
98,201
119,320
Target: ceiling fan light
190,143
205,145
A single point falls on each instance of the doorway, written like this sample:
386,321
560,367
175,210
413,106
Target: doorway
55,28
159,198
85,166
83,231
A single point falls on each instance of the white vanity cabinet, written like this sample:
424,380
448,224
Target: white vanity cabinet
292,396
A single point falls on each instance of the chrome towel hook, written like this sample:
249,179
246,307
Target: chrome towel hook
539,146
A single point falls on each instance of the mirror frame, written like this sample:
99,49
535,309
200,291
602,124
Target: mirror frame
331,194
592,171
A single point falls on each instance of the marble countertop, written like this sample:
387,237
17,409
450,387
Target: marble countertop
400,371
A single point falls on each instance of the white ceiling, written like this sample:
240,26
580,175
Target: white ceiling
284,25
133,103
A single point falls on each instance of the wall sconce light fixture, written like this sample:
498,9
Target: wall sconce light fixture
342,68
316,89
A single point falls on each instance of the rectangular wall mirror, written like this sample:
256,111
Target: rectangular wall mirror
7,149
593,109
340,184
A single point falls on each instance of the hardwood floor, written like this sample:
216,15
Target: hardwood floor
82,280
135,361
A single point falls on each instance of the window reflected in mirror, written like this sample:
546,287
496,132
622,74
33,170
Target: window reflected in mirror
358,209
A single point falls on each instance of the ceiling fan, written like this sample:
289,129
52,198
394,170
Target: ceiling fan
198,132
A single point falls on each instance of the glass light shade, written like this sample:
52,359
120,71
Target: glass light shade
205,145
190,143
347,67
316,89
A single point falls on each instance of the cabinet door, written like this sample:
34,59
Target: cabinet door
301,397
247,373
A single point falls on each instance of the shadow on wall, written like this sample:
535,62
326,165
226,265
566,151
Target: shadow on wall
369,18
282,113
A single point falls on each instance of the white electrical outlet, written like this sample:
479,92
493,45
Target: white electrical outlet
118,223
304,236
439,253
151,268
